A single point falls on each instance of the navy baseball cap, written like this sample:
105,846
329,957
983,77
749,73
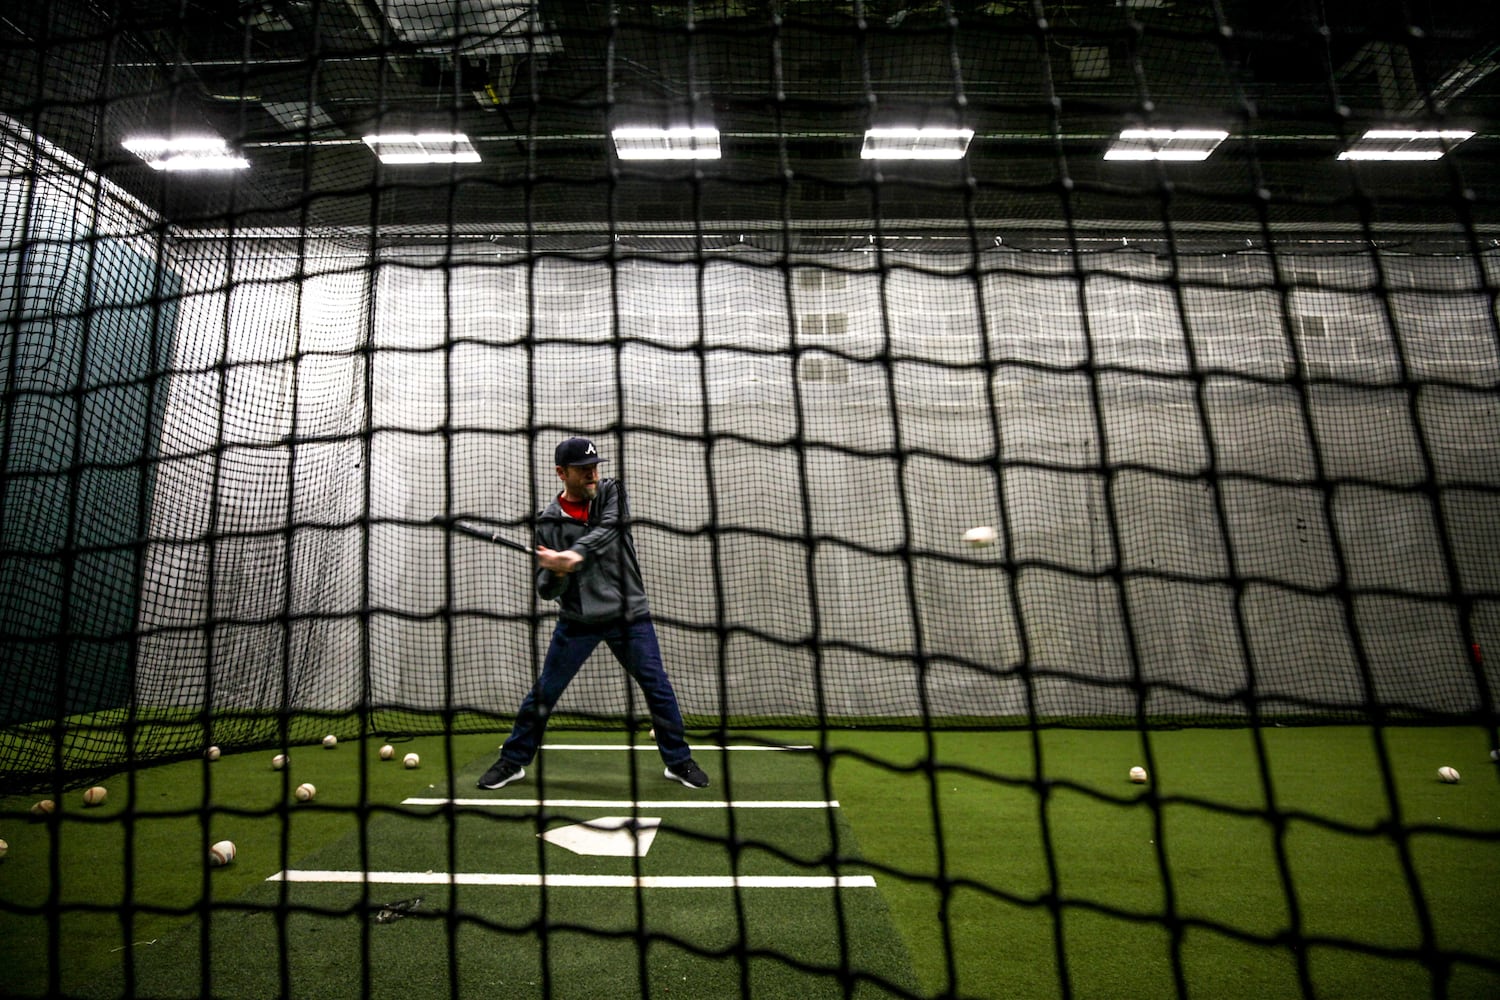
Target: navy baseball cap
578,451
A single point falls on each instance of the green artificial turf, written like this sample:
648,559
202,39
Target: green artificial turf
89,888
1097,881
258,938
1245,868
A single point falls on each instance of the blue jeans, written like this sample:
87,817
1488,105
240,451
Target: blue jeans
634,645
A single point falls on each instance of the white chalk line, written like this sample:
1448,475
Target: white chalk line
652,747
582,881
625,803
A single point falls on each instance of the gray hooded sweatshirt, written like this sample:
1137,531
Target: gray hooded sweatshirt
608,586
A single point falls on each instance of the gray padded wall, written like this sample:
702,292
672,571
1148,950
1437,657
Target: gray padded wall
1217,480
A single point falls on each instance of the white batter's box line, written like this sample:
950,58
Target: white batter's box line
581,881
652,746
625,803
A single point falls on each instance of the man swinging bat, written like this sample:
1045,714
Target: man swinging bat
586,562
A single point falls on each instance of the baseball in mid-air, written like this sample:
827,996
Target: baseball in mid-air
980,536
221,853
330,741
306,792
1495,755
1448,774
212,753
1138,775
279,761
411,760
95,796
387,752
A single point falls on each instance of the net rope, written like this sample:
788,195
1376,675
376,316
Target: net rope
1236,434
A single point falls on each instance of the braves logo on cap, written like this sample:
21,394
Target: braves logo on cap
577,451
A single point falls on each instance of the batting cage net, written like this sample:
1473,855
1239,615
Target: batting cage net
1193,305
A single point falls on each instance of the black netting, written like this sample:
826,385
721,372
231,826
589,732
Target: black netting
1233,421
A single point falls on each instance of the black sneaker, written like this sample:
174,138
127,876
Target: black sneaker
688,772
502,774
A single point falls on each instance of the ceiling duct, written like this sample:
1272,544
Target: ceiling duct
471,27
300,117
1459,80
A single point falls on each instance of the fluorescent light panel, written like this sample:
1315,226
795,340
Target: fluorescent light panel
633,142
916,143
186,153
1404,144
423,147
1182,145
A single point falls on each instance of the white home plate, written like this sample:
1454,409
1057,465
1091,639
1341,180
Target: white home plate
607,836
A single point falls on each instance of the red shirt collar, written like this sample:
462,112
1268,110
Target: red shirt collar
578,511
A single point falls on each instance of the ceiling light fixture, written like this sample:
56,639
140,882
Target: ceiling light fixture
423,147
634,142
186,153
1181,145
916,143
1404,144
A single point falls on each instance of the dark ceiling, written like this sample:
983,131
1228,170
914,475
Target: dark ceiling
294,84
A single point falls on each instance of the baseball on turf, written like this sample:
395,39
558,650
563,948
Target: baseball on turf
221,853
982,535
330,741
212,753
1448,774
95,796
1495,755
43,807
306,792
387,752
4,848
1138,775
278,761
411,760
